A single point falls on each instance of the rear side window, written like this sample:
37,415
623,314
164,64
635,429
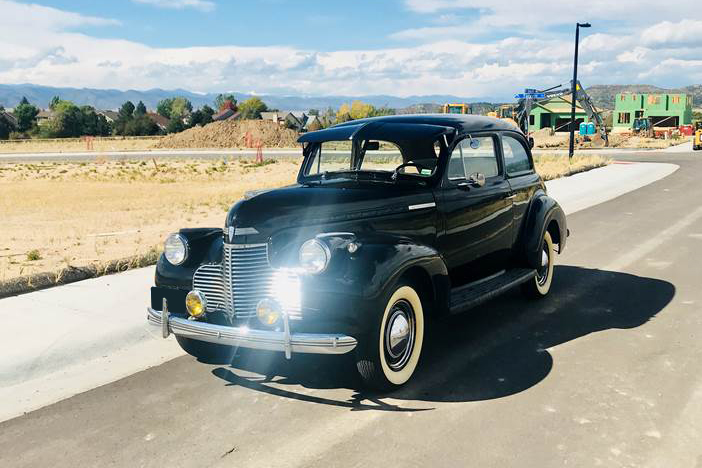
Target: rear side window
473,155
516,157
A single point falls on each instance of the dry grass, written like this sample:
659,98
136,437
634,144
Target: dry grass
67,145
80,214
551,166
63,216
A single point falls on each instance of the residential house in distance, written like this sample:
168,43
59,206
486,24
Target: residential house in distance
44,116
296,120
110,116
10,119
226,114
664,110
313,123
275,116
554,113
160,121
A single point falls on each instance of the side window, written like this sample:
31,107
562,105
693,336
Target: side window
473,155
516,157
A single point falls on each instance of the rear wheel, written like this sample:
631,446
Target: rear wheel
540,285
389,355
209,353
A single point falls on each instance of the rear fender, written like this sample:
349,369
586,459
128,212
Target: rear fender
543,210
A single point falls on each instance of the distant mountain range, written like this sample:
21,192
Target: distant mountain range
107,99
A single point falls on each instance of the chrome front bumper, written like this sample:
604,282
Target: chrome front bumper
251,338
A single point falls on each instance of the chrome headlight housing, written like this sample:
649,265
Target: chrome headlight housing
176,249
314,256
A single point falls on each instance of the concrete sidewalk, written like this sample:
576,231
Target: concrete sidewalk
69,339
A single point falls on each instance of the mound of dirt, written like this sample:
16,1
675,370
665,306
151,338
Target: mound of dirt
232,134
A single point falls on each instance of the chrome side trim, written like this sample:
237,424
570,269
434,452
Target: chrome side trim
421,206
285,341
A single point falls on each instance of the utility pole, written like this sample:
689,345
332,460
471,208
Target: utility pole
571,145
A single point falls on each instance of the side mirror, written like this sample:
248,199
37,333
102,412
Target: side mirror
531,143
477,179
372,146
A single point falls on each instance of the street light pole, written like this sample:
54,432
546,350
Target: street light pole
571,145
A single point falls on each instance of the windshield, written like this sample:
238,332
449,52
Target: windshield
384,158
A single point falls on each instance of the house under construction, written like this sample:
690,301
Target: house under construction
664,110
554,113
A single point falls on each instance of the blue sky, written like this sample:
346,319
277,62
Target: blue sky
470,48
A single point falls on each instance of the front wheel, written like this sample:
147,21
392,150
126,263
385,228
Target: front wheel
389,355
540,285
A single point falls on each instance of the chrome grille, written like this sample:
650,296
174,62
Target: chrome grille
244,278
208,280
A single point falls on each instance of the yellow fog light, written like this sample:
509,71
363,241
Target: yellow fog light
268,311
196,304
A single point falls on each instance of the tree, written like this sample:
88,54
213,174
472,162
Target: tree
180,108
344,113
67,120
164,107
313,112
221,100
252,108
127,110
140,109
5,128
201,116
54,101
175,126
26,115
140,126
94,124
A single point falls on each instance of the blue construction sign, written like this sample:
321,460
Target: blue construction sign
531,95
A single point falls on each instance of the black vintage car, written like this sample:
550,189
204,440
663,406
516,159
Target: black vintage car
393,220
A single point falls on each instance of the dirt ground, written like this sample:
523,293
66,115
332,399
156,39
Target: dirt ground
233,134
544,139
60,214
66,145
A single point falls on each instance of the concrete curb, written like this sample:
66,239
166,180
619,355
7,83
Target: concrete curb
72,338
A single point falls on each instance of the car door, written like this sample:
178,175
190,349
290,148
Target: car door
476,239
522,178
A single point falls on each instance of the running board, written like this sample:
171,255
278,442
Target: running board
473,294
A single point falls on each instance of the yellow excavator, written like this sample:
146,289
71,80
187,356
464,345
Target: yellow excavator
456,108
507,112
697,141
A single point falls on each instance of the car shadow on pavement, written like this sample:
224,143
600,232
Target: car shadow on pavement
499,349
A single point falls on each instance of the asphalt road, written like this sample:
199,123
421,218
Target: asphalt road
604,372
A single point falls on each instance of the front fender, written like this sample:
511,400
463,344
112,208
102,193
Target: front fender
543,210
204,246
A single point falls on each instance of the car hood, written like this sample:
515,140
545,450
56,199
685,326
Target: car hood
257,218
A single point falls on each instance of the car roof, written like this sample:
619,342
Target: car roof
460,123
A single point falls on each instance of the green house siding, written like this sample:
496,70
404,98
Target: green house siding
555,114
666,110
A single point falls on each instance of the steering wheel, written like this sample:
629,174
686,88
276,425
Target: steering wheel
407,164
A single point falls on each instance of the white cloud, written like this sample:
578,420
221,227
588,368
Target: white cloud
53,54
202,5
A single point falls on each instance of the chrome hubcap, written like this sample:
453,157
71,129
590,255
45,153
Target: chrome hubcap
542,273
399,335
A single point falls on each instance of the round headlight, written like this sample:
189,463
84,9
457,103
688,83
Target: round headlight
175,249
314,256
196,304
